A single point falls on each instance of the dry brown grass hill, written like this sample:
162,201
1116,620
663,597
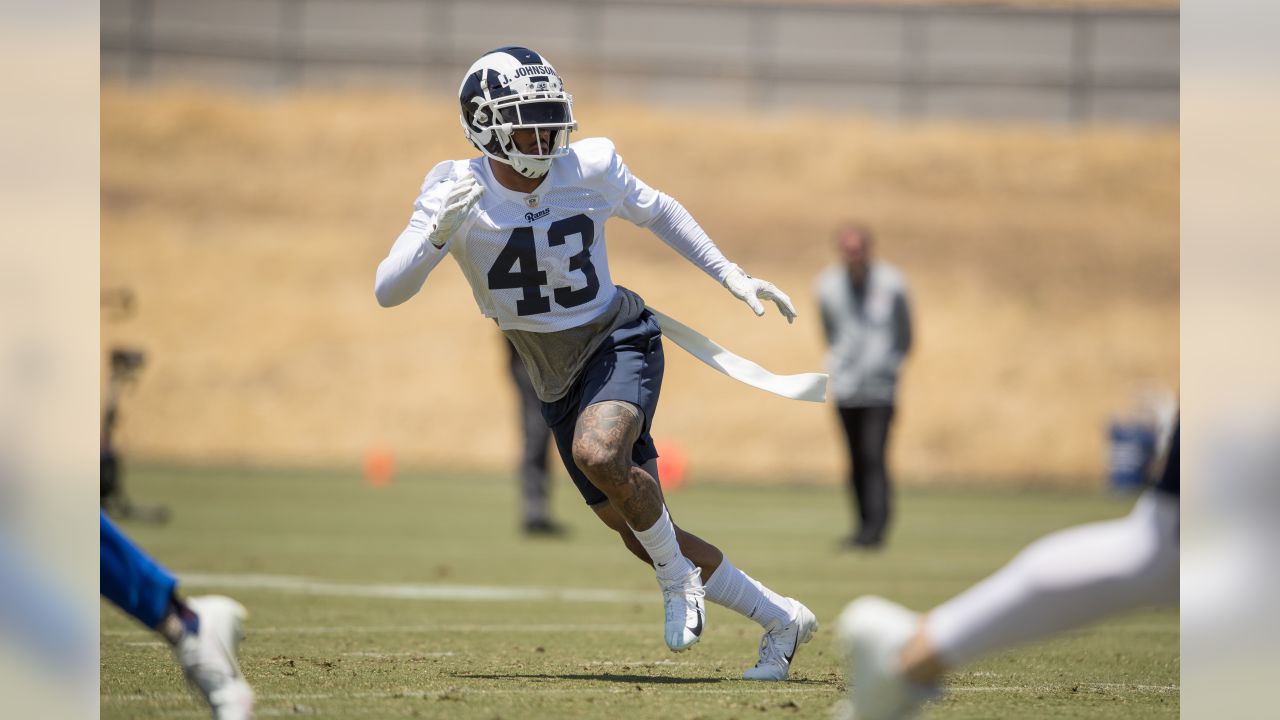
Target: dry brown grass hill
1044,265
1033,4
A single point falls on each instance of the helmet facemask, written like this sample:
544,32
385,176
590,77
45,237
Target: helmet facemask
495,107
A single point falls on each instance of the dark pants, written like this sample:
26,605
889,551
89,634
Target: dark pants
533,453
866,430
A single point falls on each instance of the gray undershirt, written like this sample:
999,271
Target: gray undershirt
555,359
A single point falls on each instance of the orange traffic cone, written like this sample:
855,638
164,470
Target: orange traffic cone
379,467
671,464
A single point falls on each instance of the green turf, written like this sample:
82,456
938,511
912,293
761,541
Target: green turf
338,655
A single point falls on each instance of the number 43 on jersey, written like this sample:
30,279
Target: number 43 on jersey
516,267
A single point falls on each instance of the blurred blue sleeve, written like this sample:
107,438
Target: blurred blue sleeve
136,584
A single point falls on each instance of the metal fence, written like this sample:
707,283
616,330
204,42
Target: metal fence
1070,66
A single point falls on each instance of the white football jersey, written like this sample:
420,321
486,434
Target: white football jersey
537,261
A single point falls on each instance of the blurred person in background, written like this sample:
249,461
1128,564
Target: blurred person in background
532,474
204,632
126,364
525,222
866,322
897,658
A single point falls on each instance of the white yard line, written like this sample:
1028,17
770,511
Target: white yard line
382,655
1084,686
732,687
409,591
252,629
640,663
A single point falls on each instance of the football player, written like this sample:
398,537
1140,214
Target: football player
525,222
203,631
897,659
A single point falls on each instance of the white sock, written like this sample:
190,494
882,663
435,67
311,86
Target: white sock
663,548
738,591
1063,581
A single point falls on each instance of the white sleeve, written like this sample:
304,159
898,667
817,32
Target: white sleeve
677,228
412,257
665,217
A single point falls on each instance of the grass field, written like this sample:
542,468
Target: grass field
422,600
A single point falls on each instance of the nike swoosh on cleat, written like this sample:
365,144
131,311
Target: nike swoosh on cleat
697,631
792,654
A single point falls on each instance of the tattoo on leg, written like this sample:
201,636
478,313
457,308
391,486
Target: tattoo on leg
643,506
610,426
602,443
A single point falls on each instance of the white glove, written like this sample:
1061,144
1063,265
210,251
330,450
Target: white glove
461,198
750,290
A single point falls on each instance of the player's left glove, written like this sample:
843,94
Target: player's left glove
751,290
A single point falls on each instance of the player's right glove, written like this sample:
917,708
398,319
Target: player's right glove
461,198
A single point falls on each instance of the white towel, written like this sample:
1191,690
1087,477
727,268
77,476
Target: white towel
811,387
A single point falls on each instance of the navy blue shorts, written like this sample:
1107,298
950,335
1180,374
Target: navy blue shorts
627,366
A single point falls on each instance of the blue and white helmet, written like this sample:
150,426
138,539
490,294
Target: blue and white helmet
514,88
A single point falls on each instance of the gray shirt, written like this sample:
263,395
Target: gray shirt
555,359
868,333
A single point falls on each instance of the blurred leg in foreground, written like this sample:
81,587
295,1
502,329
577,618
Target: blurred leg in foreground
536,436
35,617
897,659
203,631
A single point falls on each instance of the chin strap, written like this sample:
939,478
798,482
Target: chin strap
530,168
810,387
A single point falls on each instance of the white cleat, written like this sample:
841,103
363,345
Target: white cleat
779,644
872,632
682,598
208,657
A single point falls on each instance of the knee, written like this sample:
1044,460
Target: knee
1159,571
1154,522
599,460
